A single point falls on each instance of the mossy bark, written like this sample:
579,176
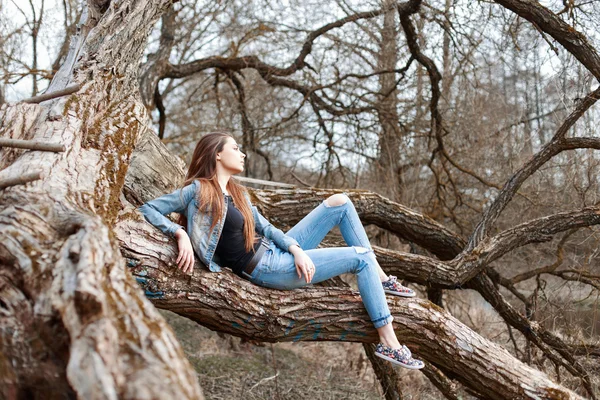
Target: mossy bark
73,321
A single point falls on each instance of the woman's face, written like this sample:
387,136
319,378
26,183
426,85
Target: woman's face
231,158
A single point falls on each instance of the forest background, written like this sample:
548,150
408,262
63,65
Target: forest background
436,113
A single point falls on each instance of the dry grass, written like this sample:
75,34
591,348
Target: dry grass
230,369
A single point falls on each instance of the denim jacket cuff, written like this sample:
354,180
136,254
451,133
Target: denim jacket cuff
289,241
172,229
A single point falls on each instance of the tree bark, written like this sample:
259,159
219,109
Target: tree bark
73,322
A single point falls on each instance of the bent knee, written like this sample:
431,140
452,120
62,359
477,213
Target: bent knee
361,250
336,200
365,258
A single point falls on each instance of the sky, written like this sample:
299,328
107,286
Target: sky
12,17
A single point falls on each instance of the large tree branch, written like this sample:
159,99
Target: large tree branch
239,63
226,303
557,145
158,66
572,40
373,209
283,207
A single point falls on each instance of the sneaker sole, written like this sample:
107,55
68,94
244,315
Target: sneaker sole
400,294
397,362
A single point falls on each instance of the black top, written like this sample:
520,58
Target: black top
231,247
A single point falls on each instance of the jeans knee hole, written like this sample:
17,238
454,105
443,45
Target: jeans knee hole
361,250
338,200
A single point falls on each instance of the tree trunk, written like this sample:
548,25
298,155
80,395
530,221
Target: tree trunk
389,160
73,322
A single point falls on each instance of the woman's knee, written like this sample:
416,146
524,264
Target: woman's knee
366,259
335,200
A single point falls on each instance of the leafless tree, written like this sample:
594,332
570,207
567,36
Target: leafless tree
335,84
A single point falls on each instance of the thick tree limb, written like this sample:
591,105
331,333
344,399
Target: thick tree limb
154,287
412,267
286,207
226,303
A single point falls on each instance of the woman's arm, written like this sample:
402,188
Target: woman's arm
264,228
155,210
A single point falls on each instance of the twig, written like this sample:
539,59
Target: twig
263,381
32,145
20,180
300,180
52,95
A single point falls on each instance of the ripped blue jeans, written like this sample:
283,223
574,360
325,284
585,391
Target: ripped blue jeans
277,269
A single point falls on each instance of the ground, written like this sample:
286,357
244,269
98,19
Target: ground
228,368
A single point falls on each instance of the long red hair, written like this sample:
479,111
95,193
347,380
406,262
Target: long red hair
210,199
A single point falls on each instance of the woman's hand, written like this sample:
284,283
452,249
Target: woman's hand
185,259
304,265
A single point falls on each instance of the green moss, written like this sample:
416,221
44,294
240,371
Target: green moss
431,306
556,394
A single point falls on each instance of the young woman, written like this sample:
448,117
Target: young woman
224,230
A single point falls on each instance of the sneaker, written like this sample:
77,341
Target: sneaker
392,286
401,356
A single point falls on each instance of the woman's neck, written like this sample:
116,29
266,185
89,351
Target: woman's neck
223,179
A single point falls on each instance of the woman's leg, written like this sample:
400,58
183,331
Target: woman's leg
336,210
280,273
388,337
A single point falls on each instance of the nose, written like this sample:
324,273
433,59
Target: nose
243,155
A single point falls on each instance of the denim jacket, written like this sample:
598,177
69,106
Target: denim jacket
204,241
